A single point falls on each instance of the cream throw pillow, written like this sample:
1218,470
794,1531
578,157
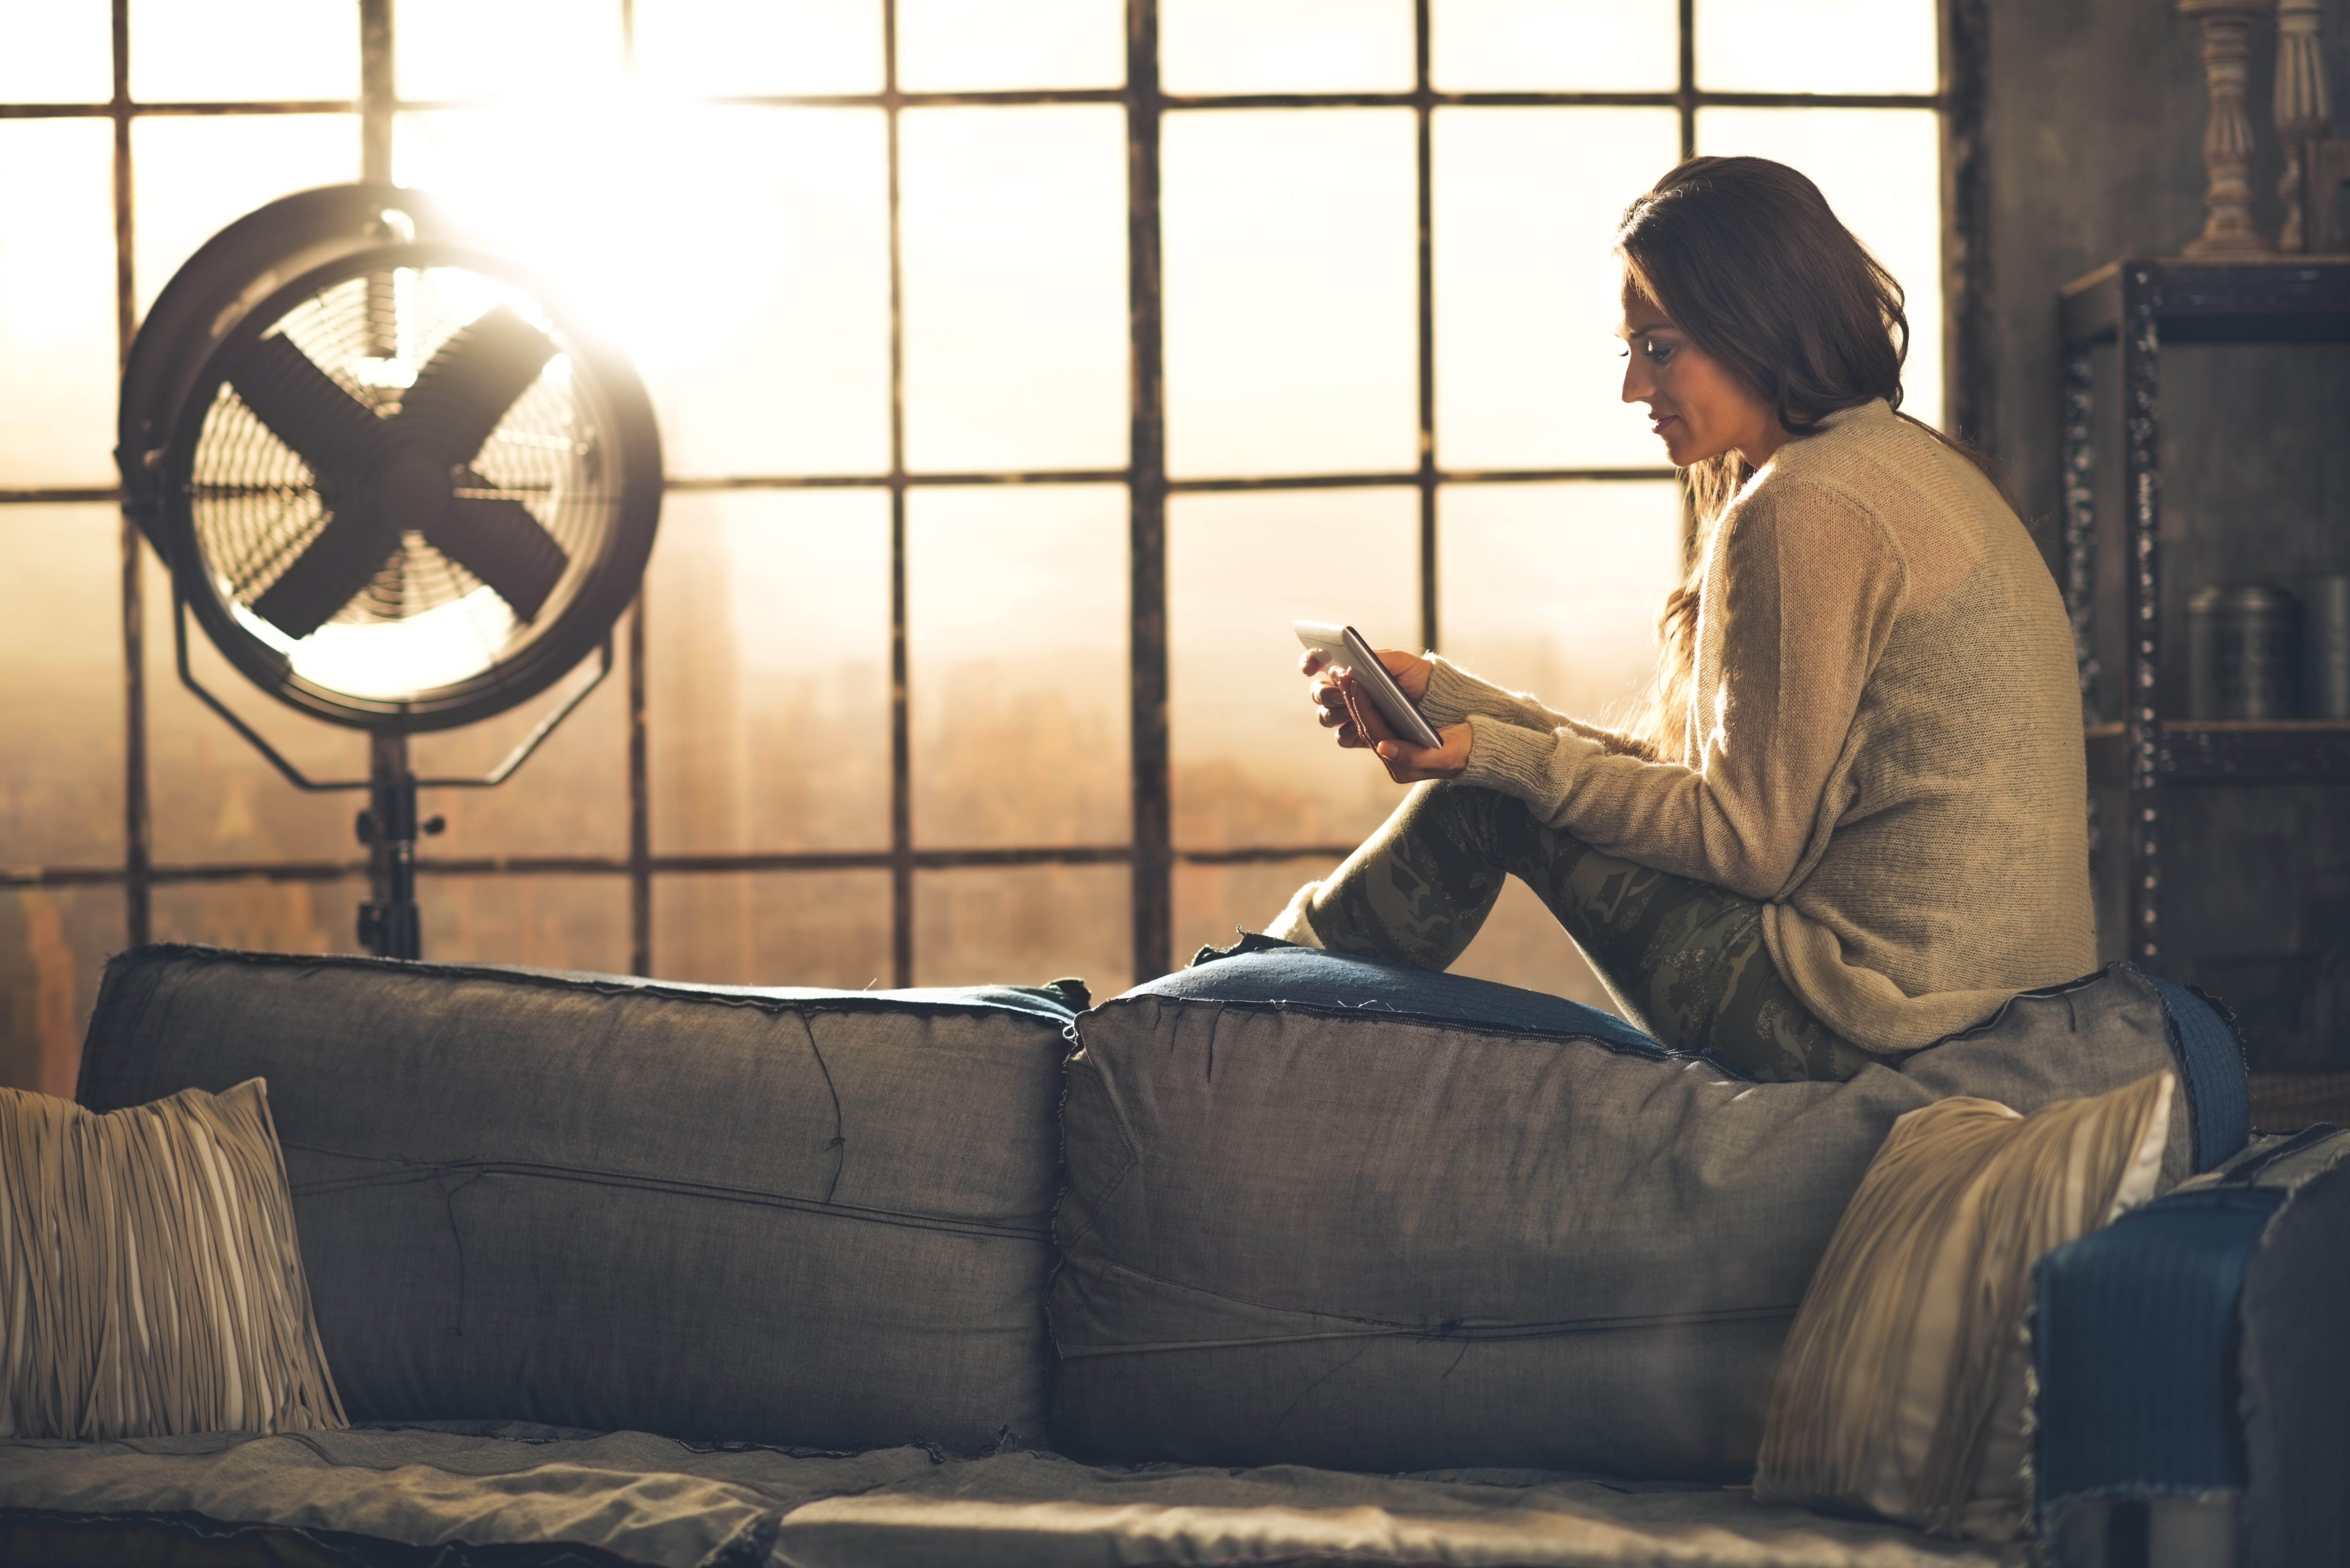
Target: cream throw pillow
1901,1388
149,1283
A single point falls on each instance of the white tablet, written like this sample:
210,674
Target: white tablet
1343,648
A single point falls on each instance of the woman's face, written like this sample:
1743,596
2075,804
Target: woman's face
1697,406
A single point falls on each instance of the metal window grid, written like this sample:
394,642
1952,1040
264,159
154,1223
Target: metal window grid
1152,854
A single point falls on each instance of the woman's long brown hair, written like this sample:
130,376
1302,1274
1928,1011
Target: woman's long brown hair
1745,257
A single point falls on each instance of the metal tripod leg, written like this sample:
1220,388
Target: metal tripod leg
388,926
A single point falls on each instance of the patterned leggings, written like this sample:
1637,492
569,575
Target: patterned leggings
1684,958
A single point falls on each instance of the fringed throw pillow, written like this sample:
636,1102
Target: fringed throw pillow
1901,1388
149,1283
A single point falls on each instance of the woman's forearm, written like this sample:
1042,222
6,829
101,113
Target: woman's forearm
1454,695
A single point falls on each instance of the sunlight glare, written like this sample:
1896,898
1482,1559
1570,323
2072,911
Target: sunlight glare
1579,45
759,47
56,51
706,243
390,660
595,194
370,371
1285,46
56,302
1816,45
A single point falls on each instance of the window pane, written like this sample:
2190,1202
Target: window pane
1523,944
1527,284
1251,767
945,45
1566,45
61,703
1880,168
546,922
509,48
226,802
784,928
243,49
54,944
761,325
1017,642
1213,904
552,922
1015,288
770,630
1285,46
1291,277
1024,926
56,51
1816,45
196,176
1555,588
722,46
570,798
260,916
57,302
215,798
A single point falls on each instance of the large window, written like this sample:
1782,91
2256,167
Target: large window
1024,367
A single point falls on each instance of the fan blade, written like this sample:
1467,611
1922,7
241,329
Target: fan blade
338,436
501,544
340,562
467,386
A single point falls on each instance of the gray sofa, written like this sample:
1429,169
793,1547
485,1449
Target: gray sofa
1349,1264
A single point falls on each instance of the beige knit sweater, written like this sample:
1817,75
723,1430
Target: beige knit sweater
1884,741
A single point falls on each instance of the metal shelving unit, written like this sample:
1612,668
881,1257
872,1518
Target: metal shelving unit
2138,304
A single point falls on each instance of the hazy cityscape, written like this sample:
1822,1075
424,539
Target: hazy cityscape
750,284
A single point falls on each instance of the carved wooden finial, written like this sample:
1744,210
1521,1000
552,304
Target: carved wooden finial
2227,135
2303,116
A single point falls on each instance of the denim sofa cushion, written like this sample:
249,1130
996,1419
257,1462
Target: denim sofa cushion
1342,1235
1259,969
2211,1071
2190,1356
796,1217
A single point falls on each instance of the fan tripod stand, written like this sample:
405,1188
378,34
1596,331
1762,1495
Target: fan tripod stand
390,924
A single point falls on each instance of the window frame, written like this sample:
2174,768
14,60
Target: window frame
1150,854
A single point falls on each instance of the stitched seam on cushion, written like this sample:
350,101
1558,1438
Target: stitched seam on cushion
2065,989
156,952
1444,1336
1094,1202
1386,1014
410,1173
1449,1330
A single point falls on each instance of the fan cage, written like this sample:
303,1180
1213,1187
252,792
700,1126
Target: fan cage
424,627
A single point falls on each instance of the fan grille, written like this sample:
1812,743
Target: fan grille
423,619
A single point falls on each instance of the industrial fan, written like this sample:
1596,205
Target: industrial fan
398,484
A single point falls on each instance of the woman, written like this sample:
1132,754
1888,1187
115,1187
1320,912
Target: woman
1852,820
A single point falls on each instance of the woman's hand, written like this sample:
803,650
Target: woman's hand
1341,704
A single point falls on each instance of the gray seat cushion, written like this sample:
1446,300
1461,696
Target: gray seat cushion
480,1495
1376,1238
795,1217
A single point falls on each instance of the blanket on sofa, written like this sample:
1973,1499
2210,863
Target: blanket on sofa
655,1500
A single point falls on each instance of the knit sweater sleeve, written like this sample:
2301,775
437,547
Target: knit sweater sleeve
1805,583
1455,696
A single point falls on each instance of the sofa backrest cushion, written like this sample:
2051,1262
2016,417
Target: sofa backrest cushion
799,1217
1340,1235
